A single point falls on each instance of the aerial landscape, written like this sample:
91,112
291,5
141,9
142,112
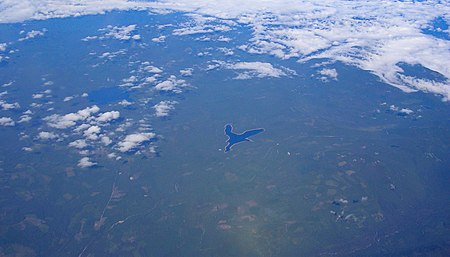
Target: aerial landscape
224,128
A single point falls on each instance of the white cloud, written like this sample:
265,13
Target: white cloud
92,132
212,66
129,82
404,111
81,127
33,34
8,84
112,156
256,69
16,11
374,36
172,84
131,79
125,103
259,68
35,105
426,85
159,39
108,116
163,108
8,106
328,74
120,33
44,135
70,120
128,123
7,121
106,140
79,144
24,118
226,51
152,69
132,141
27,149
371,35
84,152
223,39
186,72
152,79
85,162
111,55
202,25
68,98
37,96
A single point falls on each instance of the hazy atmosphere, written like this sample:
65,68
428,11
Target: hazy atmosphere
224,128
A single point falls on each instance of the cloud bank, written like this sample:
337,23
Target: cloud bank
372,35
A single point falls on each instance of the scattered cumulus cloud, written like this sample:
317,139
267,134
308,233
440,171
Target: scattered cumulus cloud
92,132
125,103
7,121
401,111
172,84
45,135
33,34
151,79
163,108
253,69
86,162
70,120
121,33
186,72
106,140
133,141
200,24
8,84
108,56
159,39
24,118
9,106
68,98
3,47
373,36
124,33
226,51
79,144
151,69
37,96
108,116
327,74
